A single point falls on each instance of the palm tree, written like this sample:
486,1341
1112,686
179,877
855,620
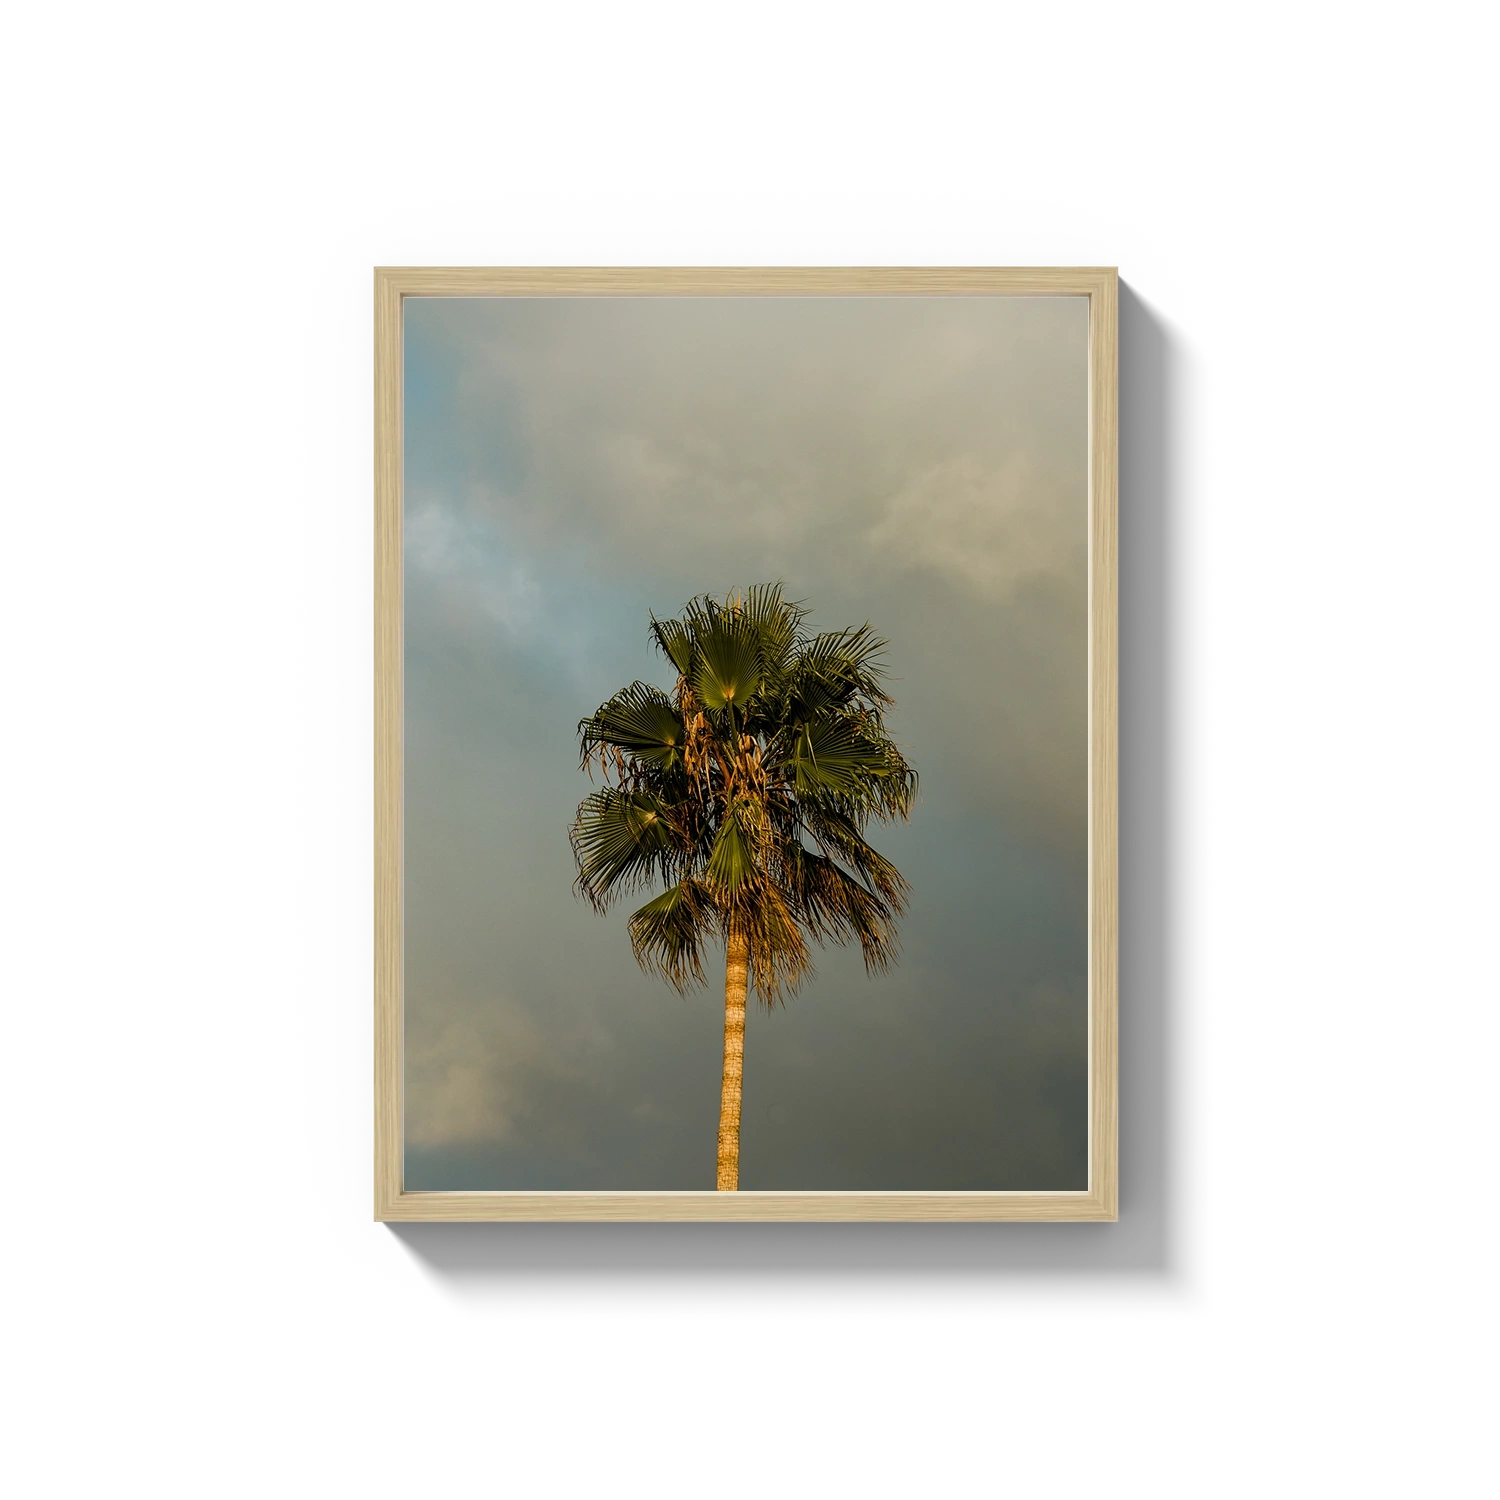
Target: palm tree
746,792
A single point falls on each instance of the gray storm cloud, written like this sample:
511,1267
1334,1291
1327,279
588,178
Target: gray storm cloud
575,463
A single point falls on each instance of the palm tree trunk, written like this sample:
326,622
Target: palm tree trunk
736,980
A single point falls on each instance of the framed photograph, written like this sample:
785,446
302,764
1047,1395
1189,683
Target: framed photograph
745,754
743,698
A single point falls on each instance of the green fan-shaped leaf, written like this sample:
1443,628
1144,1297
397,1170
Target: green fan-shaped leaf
666,935
776,623
726,669
836,906
639,720
730,861
846,664
811,696
620,839
840,836
835,755
674,641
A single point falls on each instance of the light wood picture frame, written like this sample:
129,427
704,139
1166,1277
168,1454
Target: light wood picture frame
1098,1201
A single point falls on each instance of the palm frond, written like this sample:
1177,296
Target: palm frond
840,838
849,662
809,695
896,791
779,956
835,755
777,623
726,662
837,907
732,859
666,935
621,840
639,720
674,641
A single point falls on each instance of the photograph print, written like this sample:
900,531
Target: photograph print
748,835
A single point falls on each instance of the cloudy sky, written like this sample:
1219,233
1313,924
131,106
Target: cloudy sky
575,463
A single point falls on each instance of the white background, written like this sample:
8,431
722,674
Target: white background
1299,1298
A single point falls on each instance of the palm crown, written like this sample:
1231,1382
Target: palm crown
746,791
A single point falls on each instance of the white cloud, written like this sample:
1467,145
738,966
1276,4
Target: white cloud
976,522
459,552
479,1065
465,1077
